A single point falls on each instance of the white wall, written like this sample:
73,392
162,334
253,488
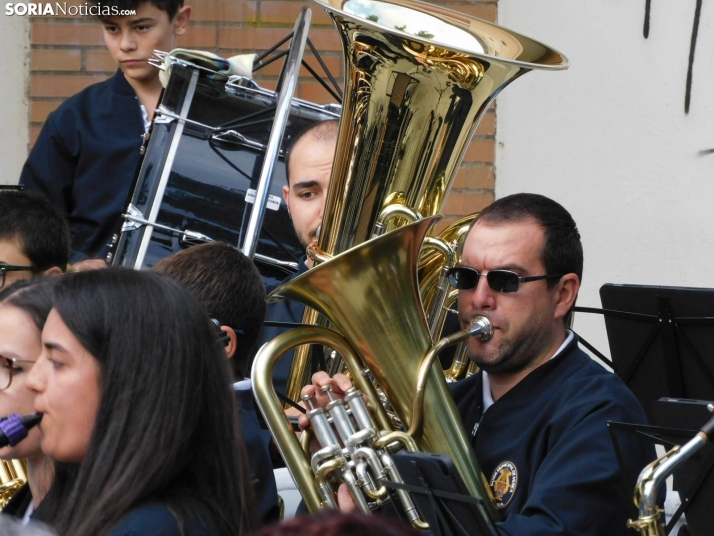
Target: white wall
14,70
609,139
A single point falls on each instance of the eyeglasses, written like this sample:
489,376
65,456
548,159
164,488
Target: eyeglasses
5,268
8,368
506,281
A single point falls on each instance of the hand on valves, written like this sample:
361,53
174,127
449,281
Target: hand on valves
319,399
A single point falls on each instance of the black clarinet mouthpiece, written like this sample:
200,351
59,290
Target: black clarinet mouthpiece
14,428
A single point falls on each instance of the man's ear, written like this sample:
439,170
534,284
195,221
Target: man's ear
55,270
232,345
566,293
181,20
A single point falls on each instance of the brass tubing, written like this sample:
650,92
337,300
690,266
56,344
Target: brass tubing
264,392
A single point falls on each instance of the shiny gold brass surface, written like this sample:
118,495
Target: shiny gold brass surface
13,474
371,296
418,80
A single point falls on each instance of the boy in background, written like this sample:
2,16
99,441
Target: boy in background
229,288
87,153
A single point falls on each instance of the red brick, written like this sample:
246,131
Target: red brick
39,110
201,37
250,39
56,60
480,151
44,33
256,39
287,12
487,126
461,204
60,85
314,92
224,10
34,132
475,177
99,61
334,64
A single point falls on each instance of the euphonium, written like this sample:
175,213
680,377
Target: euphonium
418,78
370,294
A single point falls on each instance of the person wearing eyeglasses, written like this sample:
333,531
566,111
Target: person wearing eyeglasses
537,411
24,307
34,237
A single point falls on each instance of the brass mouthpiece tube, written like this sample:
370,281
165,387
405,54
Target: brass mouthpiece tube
480,328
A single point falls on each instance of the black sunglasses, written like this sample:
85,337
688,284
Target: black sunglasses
506,281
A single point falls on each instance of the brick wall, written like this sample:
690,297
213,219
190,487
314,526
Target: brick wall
68,54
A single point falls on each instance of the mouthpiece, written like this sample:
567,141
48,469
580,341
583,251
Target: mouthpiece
14,428
481,328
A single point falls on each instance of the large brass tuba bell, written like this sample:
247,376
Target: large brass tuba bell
418,79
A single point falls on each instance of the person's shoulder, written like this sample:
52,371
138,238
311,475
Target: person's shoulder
145,520
154,519
592,386
90,97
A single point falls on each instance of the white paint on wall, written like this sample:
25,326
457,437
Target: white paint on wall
14,71
609,139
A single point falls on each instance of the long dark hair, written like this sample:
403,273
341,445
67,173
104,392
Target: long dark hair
166,428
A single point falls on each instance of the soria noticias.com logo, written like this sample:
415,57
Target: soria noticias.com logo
47,9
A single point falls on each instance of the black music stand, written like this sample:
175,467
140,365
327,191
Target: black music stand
661,340
440,495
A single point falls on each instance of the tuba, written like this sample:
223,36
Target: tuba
418,78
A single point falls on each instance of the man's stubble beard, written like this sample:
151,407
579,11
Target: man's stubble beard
518,351
305,241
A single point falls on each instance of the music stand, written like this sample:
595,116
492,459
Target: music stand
440,495
660,340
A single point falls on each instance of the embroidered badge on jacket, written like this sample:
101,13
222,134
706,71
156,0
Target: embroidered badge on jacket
504,482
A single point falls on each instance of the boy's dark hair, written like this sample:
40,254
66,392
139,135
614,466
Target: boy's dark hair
323,131
166,429
562,252
170,6
228,286
38,227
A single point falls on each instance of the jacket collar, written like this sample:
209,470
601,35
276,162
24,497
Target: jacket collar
120,85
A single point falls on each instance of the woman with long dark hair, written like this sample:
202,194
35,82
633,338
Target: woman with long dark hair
135,390
24,307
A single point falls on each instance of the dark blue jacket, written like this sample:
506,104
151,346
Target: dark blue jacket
257,443
85,159
548,438
283,311
155,520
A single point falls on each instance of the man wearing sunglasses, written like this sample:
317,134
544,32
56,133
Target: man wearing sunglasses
537,411
34,237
